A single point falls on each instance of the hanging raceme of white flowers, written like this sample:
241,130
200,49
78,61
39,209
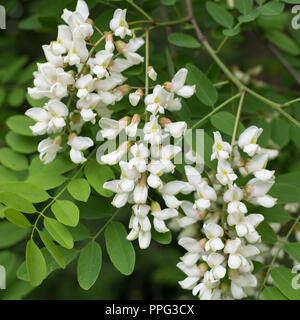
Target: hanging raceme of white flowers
218,232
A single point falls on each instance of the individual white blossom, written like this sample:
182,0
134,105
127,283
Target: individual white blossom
119,25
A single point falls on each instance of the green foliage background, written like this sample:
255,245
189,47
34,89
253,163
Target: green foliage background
30,24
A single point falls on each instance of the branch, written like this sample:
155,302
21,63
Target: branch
284,62
201,38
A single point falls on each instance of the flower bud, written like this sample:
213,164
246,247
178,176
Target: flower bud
202,214
164,121
168,86
233,274
203,267
109,43
152,73
120,46
135,97
58,140
202,243
124,89
124,121
155,206
71,136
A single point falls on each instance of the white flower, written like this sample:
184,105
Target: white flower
245,225
131,129
78,145
111,128
152,131
213,233
64,41
54,59
48,149
192,215
135,97
160,216
156,101
225,173
193,275
247,140
214,261
169,190
86,105
176,129
140,192
221,149
120,65
195,251
178,86
51,119
239,254
78,53
119,25
100,63
140,225
129,50
140,152
204,195
152,73
257,166
85,85
114,157
241,281
257,192
207,289
50,82
76,20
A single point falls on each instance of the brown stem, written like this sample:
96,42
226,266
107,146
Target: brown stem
284,62
193,21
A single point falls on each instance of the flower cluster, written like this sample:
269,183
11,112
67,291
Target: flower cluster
223,244
150,157
78,84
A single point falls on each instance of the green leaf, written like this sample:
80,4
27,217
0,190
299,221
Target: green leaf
285,193
119,249
220,15
283,42
244,6
163,238
183,40
250,16
293,249
97,174
271,8
11,234
66,212
16,96
13,160
16,217
224,121
36,265
80,232
28,191
59,233
272,293
7,175
267,233
292,178
15,201
276,214
89,265
53,249
231,32
20,124
283,278
21,143
168,2
68,254
205,91
79,189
